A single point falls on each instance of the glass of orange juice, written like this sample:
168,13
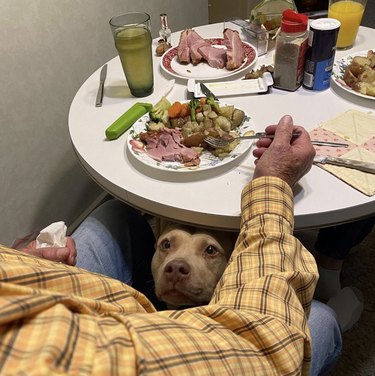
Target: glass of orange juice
349,13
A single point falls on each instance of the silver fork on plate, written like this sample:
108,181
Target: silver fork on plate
222,142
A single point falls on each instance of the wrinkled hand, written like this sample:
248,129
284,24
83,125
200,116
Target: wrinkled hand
66,255
285,157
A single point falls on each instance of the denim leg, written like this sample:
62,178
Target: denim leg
117,241
326,338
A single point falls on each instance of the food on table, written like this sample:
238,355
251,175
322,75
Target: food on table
159,112
360,74
235,50
167,145
192,48
257,73
162,47
215,57
175,132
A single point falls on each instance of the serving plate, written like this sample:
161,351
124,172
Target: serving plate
339,69
203,71
207,160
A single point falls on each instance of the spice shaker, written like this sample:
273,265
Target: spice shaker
290,51
165,31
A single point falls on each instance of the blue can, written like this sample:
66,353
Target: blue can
320,53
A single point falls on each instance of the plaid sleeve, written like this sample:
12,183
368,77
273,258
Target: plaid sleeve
56,319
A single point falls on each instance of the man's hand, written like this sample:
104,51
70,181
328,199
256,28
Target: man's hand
286,157
66,255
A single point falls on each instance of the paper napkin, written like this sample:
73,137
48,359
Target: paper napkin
53,235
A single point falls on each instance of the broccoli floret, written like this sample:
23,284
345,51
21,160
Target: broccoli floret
159,112
214,105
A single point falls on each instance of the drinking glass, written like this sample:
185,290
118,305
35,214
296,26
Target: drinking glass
132,35
349,13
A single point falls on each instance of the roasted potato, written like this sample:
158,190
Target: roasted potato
360,74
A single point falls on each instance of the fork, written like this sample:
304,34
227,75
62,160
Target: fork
221,142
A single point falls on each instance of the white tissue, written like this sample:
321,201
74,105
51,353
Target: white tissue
53,235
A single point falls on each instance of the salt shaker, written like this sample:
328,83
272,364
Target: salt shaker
291,46
165,31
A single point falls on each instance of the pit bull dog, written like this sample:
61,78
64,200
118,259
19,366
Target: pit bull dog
188,262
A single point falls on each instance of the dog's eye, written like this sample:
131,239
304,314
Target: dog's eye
211,250
165,244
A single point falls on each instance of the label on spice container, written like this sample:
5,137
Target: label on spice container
290,64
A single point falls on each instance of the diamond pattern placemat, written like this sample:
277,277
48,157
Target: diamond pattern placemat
358,130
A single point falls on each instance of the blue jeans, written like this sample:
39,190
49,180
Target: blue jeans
117,241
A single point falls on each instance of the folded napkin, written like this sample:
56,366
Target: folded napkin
53,235
357,129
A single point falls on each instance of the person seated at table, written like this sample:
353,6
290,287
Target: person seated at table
56,318
331,248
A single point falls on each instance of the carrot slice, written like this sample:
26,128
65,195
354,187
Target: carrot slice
175,110
185,110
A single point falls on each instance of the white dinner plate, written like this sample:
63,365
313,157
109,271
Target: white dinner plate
339,69
203,71
207,159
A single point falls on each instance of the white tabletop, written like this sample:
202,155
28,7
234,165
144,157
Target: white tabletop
211,198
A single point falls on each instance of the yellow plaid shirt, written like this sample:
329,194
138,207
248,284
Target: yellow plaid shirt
56,319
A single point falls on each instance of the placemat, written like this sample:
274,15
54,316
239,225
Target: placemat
357,129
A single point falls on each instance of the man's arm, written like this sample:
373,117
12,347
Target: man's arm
255,324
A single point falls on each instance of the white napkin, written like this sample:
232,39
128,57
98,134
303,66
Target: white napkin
53,235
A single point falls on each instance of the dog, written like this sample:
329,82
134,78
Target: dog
188,263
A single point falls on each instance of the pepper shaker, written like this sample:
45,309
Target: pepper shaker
291,46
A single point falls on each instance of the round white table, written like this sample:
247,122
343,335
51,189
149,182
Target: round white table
211,198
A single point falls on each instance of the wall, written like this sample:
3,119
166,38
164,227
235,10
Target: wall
48,48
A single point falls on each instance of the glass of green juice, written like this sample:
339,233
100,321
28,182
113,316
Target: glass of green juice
132,35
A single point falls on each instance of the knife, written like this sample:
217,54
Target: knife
351,163
99,96
207,92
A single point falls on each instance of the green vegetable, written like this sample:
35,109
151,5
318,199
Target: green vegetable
214,105
194,103
159,112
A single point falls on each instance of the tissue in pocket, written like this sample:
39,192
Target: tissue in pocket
53,235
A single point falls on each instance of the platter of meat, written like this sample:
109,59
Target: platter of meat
176,148
355,73
208,58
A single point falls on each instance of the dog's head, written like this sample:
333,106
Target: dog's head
188,262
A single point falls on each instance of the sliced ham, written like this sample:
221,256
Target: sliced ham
195,42
183,49
194,49
215,57
235,51
166,145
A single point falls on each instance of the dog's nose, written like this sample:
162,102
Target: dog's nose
177,270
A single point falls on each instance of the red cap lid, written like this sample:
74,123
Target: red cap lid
293,22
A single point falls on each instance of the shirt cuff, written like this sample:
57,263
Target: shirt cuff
267,195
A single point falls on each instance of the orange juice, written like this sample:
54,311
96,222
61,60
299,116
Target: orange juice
349,13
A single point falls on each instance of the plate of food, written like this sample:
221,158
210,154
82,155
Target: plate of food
175,143
355,73
210,61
